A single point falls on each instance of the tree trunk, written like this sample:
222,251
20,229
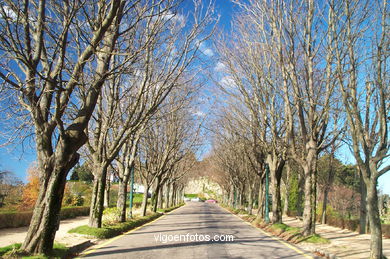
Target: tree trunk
307,211
46,215
374,218
363,228
324,204
287,189
167,195
173,197
145,199
276,169
122,197
160,197
260,209
231,197
97,201
250,200
309,169
107,192
156,194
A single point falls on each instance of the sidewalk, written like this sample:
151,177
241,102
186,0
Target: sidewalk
344,243
10,236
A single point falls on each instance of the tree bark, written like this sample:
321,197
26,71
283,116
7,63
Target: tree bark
167,195
276,170
122,197
260,209
250,200
374,219
46,215
160,197
107,192
287,189
97,201
363,220
145,199
155,199
309,168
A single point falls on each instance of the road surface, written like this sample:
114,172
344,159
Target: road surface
192,231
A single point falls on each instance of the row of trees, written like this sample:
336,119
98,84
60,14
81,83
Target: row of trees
298,77
103,78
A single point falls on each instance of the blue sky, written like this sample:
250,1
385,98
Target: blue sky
17,159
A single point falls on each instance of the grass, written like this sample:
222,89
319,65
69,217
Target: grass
114,229
191,195
170,209
296,233
12,251
316,239
6,249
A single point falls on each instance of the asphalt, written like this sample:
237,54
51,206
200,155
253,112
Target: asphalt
192,225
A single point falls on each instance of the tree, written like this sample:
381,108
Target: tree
82,173
170,137
31,189
8,183
363,79
50,51
129,99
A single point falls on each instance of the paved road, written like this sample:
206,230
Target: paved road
196,221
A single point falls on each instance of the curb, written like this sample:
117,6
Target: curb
325,253
73,250
276,238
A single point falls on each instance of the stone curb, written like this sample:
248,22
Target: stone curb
325,253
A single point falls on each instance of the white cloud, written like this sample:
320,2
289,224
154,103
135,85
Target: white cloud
219,67
227,82
176,18
9,13
199,114
208,52
205,49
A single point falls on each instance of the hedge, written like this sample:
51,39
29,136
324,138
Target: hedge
22,219
353,225
115,229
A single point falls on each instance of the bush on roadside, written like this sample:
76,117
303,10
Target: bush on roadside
21,219
115,229
170,209
386,230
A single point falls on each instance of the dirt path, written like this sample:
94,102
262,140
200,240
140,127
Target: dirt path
10,236
344,243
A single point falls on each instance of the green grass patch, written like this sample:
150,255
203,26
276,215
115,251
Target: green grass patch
6,249
170,209
191,195
114,229
279,226
316,239
12,251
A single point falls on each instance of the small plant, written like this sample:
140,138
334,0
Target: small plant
111,215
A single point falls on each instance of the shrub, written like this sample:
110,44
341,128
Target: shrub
115,229
15,219
72,212
21,219
111,215
386,230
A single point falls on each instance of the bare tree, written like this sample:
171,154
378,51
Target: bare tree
132,97
49,49
167,140
293,34
363,78
250,66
